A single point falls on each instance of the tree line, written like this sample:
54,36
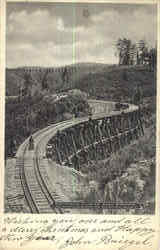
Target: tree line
139,53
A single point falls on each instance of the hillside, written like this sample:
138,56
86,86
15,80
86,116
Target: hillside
53,79
116,83
98,80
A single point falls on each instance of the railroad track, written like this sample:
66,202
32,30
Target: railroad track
38,194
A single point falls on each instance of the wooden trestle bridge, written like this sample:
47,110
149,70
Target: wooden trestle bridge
73,143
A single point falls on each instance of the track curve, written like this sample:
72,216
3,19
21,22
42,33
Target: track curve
38,194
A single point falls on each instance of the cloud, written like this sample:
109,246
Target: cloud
36,27
57,34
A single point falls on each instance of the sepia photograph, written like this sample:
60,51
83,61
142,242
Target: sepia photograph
80,108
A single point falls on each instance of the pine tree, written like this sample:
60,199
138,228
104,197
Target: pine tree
123,47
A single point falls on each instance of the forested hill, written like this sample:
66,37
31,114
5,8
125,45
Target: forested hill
53,79
118,83
111,82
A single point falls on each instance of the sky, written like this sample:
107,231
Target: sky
56,34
